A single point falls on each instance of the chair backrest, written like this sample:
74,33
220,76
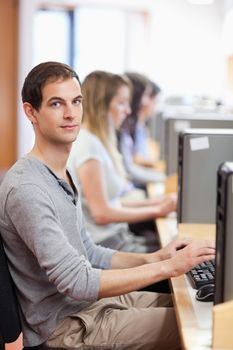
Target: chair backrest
10,326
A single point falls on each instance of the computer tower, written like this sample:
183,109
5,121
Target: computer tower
224,234
201,151
174,124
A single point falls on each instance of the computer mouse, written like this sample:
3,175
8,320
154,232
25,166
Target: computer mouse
205,293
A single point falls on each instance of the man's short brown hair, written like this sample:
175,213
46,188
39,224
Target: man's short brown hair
39,76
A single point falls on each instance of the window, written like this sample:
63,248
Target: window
100,39
90,37
51,36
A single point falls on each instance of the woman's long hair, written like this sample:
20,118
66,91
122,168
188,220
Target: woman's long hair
98,89
139,85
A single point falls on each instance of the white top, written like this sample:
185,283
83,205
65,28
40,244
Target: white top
86,147
141,142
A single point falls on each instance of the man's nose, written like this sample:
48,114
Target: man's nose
69,111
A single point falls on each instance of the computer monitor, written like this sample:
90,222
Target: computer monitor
224,234
172,125
201,151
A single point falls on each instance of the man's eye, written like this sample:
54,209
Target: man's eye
55,104
77,102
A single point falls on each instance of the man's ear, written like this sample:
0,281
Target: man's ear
30,112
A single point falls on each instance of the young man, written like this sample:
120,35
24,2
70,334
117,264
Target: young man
73,293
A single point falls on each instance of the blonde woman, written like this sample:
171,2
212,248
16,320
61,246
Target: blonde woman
97,164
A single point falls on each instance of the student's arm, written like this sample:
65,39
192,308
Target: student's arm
106,258
92,180
118,281
162,200
147,163
36,222
138,173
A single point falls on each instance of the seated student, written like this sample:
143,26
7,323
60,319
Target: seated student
142,154
95,160
72,293
139,174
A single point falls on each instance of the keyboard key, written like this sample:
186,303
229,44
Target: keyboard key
202,274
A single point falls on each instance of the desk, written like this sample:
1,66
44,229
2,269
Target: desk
194,318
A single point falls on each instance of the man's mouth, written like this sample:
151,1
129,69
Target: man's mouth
69,127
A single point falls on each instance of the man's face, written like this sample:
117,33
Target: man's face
59,117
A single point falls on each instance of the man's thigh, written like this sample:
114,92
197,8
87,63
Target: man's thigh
134,321
145,299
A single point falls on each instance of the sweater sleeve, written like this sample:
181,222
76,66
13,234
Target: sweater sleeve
33,216
98,256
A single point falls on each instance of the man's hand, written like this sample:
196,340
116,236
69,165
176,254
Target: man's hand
169,250
194,253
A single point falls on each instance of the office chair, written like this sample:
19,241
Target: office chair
10,325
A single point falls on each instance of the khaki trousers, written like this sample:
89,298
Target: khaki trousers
138,320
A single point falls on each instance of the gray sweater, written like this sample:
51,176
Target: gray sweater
54,263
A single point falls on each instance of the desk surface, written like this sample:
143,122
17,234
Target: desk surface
194,317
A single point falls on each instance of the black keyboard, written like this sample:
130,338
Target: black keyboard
202,274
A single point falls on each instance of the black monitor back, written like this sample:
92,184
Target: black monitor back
224,234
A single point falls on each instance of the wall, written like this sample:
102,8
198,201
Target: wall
8,82
226,5
182,50
27,9
186,56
